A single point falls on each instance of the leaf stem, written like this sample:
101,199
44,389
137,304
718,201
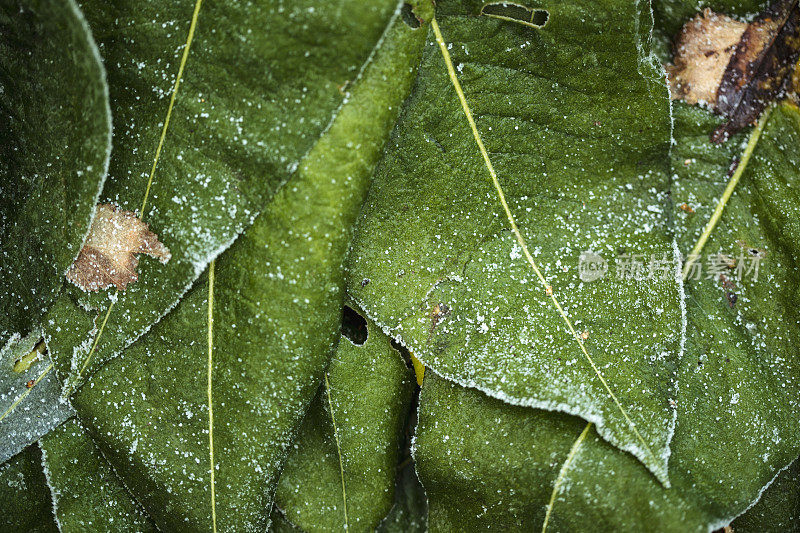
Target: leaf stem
562,473
518,235
178,78
177,84
755,135
210,400
338,451
27,391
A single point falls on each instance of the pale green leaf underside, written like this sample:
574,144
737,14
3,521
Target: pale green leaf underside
575,120
30,401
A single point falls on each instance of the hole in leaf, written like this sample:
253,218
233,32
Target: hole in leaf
510,12
354,326
409,17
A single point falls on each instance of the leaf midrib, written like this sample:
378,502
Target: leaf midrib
518,235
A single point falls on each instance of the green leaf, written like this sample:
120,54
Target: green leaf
54,149
259,84
779,507
27,506
30,395
341,471
87,495
252,337
739,383
279,523
488,465
575,122
738,408
410,511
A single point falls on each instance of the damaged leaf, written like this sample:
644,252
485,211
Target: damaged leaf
759,70
341,472
702,52
110,253
734,67
222,383
251,102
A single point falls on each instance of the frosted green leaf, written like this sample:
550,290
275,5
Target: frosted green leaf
55,142
575,122
738,408
279,523
252,337
778,508
30,395
341,471
27,505
259,84
87,495
409,513
486,465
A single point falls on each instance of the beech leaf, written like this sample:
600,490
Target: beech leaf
759,69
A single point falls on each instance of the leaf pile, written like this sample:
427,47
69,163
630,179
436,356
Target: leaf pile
370,308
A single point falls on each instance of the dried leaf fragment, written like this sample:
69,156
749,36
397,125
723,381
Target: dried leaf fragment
109,255
760,69
736,68
702,53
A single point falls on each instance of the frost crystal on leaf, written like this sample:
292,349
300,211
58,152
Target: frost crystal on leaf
108,256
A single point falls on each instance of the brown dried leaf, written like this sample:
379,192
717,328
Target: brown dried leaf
108,256
736,68
702,53
760,68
